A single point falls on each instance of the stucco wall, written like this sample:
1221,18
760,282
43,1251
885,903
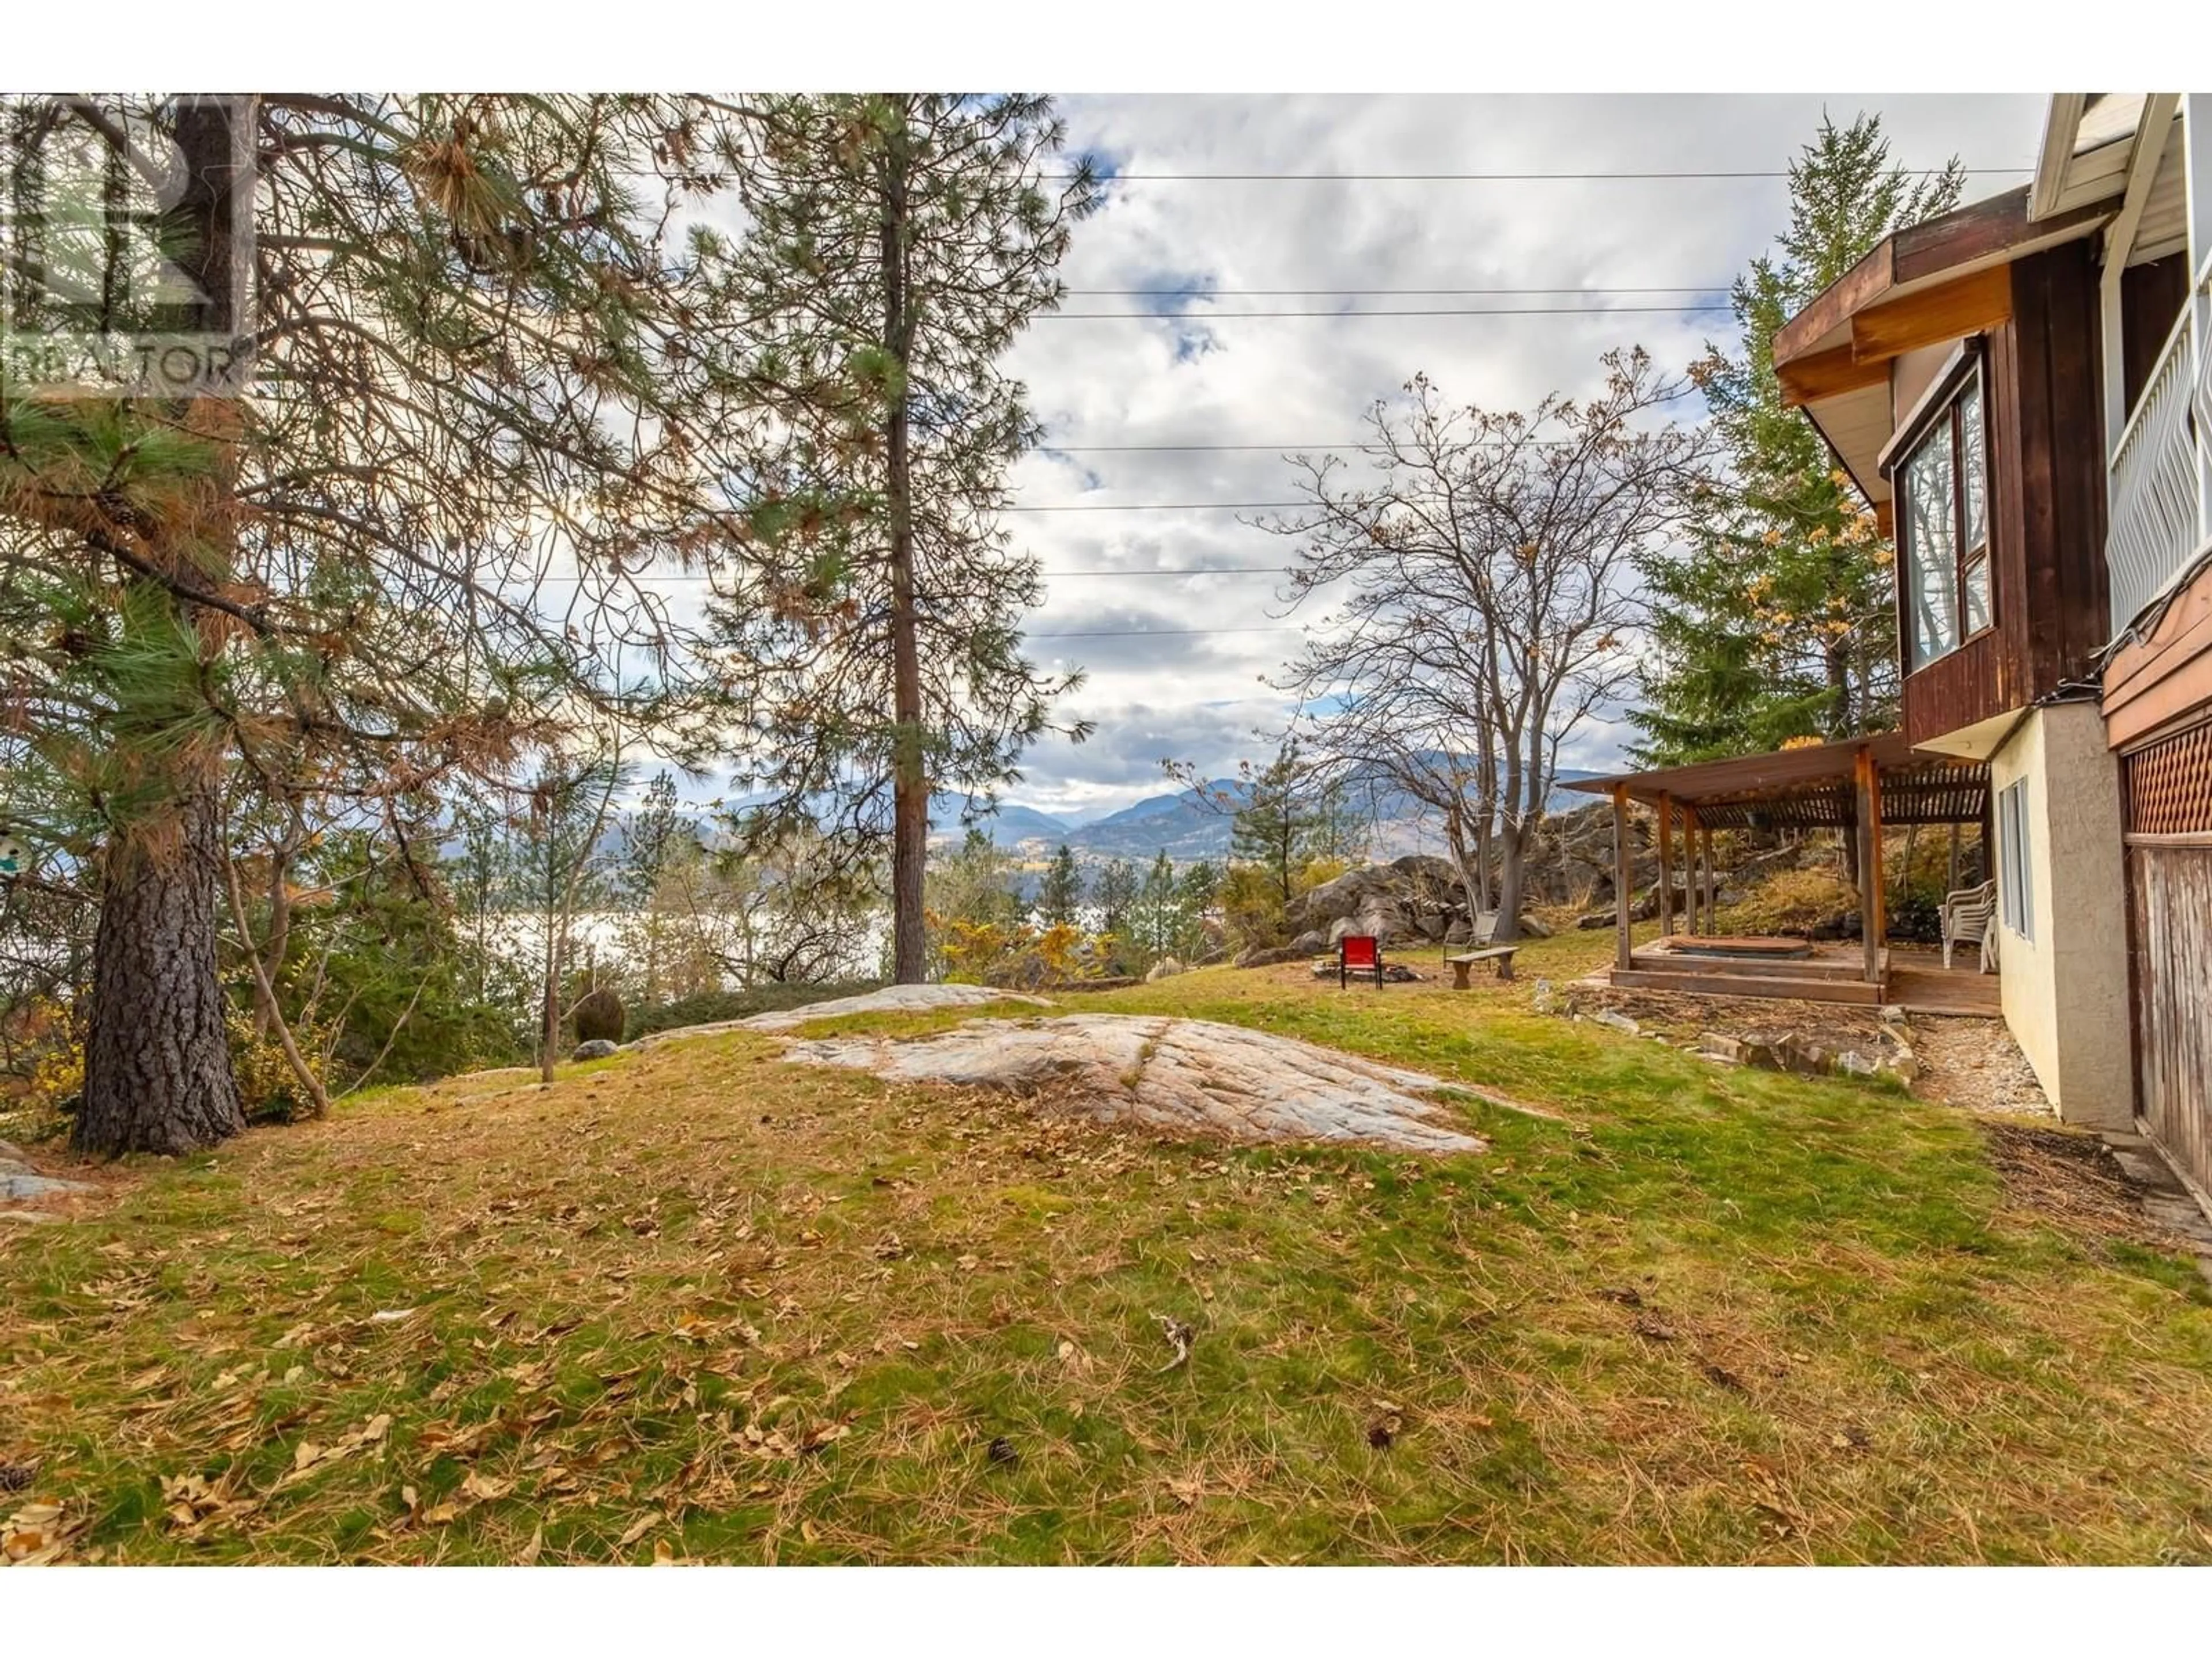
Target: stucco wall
2065,990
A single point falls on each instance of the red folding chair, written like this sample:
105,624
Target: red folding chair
1358,953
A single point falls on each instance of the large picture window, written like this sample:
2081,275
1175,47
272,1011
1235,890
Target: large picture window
1943,525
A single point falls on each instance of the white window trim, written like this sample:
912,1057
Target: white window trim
2015,871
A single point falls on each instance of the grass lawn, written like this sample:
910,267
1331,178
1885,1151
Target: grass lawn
694,1303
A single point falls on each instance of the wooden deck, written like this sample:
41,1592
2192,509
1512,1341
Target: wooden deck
1915,978
1936,990
1827,973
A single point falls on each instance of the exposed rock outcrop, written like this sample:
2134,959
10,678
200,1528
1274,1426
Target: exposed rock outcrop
891,998
1185,1076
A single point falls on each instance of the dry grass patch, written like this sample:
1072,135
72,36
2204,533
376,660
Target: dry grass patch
698,1304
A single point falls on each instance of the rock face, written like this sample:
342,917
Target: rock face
1414,897
596,1048
1186,1076
892,999
1414,900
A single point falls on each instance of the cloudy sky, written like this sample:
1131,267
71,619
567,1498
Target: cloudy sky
1211,378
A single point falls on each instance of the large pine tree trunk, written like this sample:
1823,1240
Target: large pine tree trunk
909,776
157,1075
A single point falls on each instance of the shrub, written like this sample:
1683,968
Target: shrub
1017,956
1792,901
713,1007
268,1088
600,1017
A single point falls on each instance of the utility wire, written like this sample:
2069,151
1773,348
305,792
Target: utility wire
1147,632
1156,507
1441,311
1215,293
653,578
1489,178
1362,444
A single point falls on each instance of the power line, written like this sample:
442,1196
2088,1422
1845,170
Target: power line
1456,311
1361,444
1157,506
1147,632
1164,293
1643,176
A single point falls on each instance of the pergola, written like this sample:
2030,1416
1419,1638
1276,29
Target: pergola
1859,786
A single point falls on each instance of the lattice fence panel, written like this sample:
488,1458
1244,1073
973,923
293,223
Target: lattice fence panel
2170,785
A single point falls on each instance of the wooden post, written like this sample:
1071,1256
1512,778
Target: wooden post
1880,868
1690,869
1870,871
1666,865
1622,866
1705,875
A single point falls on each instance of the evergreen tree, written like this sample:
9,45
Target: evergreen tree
1777,621
564,868
653,838
1060,893
1157,916
898,245
1286,819
1197,891
480,361
1115,891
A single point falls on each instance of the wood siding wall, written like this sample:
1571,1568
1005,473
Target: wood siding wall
2150,299
2043,393
2169,836
2165,680
2170,893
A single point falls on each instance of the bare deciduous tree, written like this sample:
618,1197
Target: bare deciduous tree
1487,578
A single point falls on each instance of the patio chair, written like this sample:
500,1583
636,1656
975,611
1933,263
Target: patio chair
1969,918
1358,953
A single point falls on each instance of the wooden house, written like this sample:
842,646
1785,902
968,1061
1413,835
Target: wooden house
2023,389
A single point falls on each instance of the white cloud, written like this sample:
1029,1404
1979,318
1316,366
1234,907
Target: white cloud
1306,380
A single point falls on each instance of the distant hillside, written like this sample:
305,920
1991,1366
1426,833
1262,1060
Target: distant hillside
1189,827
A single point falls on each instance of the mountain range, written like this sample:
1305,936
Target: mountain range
1190,824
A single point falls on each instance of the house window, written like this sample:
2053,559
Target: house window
2015,888
1945,530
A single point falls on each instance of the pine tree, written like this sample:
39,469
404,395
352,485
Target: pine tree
1286,816
1115,891
475,319
564,868
1158,912
654,837
1196,891
1060,893
1777,621
898,245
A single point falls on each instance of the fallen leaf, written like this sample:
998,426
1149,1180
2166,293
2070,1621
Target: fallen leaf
528,1555
638,1528
391,1315
484,1488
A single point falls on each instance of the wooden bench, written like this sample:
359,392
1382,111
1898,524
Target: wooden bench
1465,961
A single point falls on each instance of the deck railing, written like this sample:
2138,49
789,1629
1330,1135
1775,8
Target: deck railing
2159,475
